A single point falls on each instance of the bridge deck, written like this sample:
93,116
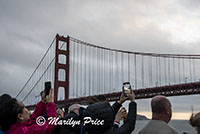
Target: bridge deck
171,90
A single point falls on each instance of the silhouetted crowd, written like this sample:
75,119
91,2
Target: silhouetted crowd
97,118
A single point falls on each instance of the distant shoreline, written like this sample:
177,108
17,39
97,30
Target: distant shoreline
143,117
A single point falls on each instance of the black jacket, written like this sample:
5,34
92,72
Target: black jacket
103,111
129,125
68,129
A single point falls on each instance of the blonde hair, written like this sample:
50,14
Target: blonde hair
195,121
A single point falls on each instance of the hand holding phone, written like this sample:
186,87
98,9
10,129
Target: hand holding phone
125,91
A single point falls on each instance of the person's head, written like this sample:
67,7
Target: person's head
195,121
74,108
99,98
100,112
12,111
161,108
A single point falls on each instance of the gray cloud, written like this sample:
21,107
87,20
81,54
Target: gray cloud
28,27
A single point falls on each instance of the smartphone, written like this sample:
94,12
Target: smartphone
127,88
47,87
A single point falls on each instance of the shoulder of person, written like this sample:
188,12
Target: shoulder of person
71,115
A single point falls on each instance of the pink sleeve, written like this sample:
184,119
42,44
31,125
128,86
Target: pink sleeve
39,111
51,109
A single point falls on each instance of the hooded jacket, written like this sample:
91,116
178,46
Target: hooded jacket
69,129
103,111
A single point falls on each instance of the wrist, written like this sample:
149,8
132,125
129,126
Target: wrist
120,102
132,100
117,120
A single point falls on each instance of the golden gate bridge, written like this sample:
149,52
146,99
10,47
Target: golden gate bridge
80,71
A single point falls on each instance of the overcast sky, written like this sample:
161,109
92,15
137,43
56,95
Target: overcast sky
28,27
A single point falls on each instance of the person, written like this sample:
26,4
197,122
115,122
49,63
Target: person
195,121
73,114
60,113
105,113
15,117
2,101
122,114
161,115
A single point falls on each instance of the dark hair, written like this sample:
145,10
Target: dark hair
159,105
99,98
9,110
3,99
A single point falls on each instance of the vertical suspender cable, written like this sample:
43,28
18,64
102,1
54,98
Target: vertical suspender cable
92,73
81,70
112,70
190,69
85,72
73,70
77,71
174,70
142,62
184,71
129,67
122,67
179,70
117,71
194,75
102,78
160,80
135,58
104,85
96,74
89,70
169,70
165,70
156,71
149,70
109,70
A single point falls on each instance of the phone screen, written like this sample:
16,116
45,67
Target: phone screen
127,88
